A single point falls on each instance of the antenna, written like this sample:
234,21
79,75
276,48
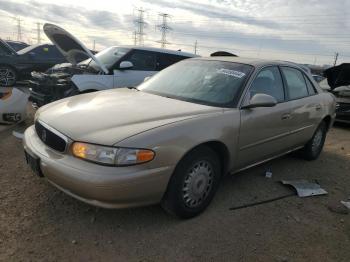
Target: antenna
164,28
140,25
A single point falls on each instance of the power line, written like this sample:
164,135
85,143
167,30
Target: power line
164,28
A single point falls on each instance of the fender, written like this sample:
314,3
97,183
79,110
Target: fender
95,82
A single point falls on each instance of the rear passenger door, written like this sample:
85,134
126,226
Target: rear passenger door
304,104
145,63
264,131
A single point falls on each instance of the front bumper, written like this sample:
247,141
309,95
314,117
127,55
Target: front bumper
103,186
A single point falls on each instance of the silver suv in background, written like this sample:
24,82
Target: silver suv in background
114,67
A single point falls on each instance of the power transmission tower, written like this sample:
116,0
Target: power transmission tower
195,47
140,24
336,58
38,33
164,28
19,28
135,37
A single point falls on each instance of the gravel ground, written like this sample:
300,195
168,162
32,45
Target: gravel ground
39,223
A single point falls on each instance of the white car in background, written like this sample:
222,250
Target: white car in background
13,105
114,67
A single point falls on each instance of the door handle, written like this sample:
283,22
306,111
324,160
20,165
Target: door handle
318,107
285,116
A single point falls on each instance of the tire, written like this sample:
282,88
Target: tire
313,148
193,183
8,76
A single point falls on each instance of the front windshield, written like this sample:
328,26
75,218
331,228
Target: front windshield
203,81
27,49
108,56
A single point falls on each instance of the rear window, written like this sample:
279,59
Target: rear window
310,86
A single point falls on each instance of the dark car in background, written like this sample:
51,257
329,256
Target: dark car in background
16,45
15,66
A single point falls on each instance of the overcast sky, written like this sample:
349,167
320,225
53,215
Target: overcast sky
297,30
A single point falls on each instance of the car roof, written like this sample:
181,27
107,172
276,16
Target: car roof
160,50
256,62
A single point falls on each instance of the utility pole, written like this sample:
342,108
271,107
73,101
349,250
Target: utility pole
135,37
38,33
195,47
336,58
140,25
164,28
19,28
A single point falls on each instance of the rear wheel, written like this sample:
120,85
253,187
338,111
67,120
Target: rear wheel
193,184
8,76
314,147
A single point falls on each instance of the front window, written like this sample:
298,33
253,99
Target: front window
214,83
107,57
269,82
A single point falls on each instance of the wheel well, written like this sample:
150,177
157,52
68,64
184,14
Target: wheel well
88,91
328,121
14,68
221,150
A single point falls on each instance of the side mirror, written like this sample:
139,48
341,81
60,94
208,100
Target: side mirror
261,100
147,78
125,65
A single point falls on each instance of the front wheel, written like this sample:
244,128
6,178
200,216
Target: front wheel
314,147
193,184
8,76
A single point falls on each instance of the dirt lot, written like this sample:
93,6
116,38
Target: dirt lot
39,223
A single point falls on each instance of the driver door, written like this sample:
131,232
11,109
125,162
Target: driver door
144,65
264,131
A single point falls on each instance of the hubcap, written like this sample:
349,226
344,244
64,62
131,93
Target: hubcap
317,141
7,77
197,184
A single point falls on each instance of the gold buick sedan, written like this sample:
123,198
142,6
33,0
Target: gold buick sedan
173,138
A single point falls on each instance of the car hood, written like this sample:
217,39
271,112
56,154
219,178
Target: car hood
338,76
107,117
70,47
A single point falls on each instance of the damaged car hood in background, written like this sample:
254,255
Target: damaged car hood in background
338,76
70,47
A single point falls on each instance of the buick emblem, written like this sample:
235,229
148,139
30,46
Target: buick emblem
43,135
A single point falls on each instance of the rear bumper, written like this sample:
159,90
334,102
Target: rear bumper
103,186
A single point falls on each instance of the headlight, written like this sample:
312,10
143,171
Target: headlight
115,156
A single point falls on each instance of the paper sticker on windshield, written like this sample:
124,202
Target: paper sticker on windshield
233,73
